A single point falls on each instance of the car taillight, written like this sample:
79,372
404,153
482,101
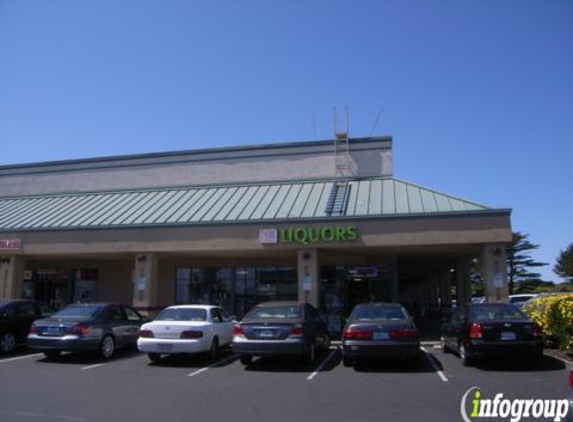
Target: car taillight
146,334
33,329
537,331
81,329
476,330
353,333
571,378
191,334
296,331
404,333
238,331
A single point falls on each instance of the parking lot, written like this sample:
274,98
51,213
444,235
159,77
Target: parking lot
80,387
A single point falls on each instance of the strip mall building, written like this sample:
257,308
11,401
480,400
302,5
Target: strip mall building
242,225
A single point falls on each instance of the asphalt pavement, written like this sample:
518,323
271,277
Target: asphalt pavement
78,388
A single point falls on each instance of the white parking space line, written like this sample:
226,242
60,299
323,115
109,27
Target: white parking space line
92,366
323,363
192,374
434,363
35,355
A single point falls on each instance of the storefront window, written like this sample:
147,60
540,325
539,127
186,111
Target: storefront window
236,289
343,286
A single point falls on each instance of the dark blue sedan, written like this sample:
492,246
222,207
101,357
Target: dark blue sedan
101,327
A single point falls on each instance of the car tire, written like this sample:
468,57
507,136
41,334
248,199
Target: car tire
7,343
311,352
465,356
346,361
154,357
52,354
214,350
443,346
246,359
327,342
106,347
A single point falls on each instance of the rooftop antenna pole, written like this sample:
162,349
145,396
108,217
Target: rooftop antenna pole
347,130
314,125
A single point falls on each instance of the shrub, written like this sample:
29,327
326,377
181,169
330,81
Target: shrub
554,314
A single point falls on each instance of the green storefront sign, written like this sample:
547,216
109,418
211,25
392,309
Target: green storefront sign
306,236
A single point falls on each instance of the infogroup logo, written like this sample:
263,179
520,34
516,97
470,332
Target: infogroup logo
514,410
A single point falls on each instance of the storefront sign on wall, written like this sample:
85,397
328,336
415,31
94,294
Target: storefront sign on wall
10,244
306,236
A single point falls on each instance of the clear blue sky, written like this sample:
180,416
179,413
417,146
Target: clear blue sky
478,95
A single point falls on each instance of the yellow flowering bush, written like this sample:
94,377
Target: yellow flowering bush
554,314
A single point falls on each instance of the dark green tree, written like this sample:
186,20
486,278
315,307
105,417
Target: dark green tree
519,261
564,266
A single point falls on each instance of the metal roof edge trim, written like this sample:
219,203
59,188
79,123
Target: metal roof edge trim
197,152
450,214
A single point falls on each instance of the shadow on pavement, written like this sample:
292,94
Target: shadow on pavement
397,365
513,364
295,364
194,361
89,358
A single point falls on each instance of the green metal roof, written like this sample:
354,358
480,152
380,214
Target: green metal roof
249,203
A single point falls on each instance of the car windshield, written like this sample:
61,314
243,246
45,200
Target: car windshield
182,314
496,312
378,313
78,311
275,312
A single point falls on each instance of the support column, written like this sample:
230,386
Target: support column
494,272
445,288
11,276
145,282
308,276
463,281
395,282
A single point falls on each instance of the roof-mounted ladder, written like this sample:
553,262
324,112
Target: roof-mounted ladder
338,198
341,145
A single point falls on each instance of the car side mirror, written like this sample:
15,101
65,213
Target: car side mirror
234,318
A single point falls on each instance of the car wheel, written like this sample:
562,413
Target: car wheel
214,350
327,342
107,347
311,352
443,346
7,343
246,359
52,354
464,355
346,361
154,357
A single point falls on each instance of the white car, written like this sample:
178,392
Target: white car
186,329
520,299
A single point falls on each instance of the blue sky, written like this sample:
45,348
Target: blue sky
478,95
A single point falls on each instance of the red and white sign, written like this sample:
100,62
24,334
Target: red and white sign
10,244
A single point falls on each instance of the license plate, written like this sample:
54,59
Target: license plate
52,331
165,347
381,335
266,334
507,335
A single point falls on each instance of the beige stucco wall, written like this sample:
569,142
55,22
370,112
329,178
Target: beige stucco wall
256,164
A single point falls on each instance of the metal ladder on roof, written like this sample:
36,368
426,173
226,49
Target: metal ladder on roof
338,198
341,145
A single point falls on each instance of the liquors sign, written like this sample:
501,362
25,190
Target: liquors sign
306,236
